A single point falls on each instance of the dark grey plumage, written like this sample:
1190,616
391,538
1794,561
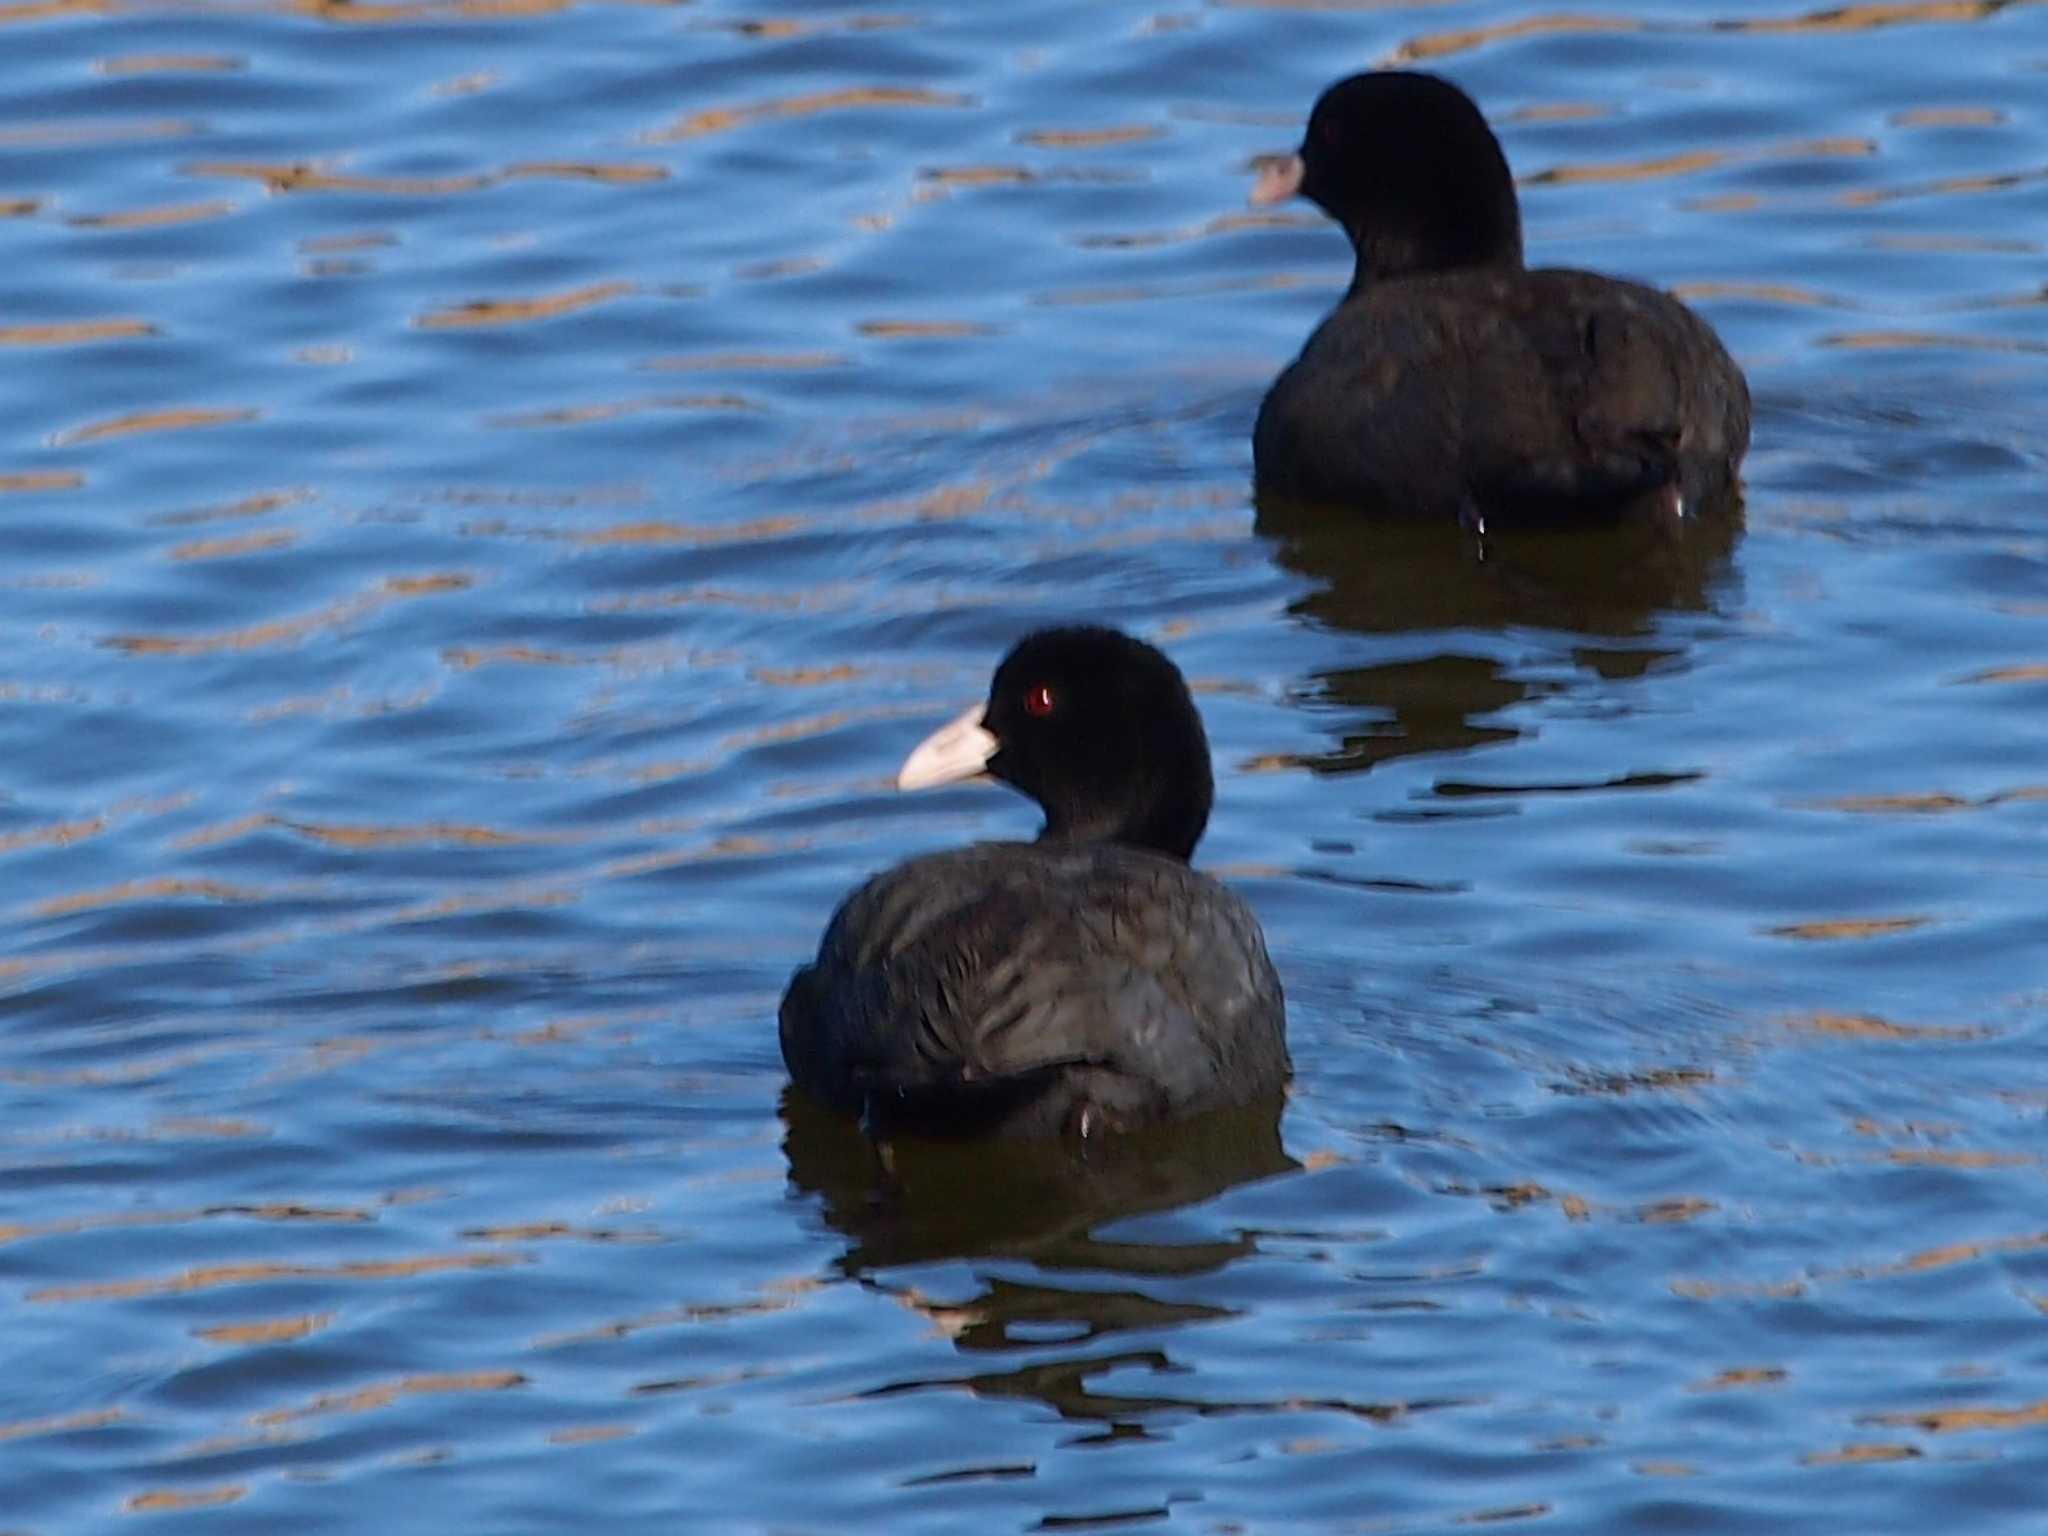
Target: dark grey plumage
1451,378
1086,981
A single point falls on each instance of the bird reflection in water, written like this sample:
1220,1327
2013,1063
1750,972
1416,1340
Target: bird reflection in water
910,1200
1381,575
1124,1218
1055,1204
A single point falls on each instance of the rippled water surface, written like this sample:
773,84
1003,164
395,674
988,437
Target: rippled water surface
491,490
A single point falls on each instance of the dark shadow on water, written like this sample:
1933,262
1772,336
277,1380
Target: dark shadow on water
1059,1208
1043,1201
1380,575
1389,576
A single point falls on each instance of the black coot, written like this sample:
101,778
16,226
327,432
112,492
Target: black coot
1086,982
1451,378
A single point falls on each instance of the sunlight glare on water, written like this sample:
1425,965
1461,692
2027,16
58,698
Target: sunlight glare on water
492,491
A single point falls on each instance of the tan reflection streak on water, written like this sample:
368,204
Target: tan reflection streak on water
1948,186
384,1394
1922,1262
1559,112
807,677
560,1031
41,480
177,420
926,329
285,631
781,29
1868,18
1947,117
363,838
581,415
1683,164
365,240
281,1330
1087,138
287,177
1224,224
147,1069
672,1317
44,10
1743,1376
60,835
554,889
1955,242
160,216
2033,672
63,1424
813,599
235,546
1922,805
346,1215
1858,1453
72,333
1950,1157
200,1128
1877,197
1440,45
1853,18
586,1434
367,837
1673,1212
1738,1290
978,176
661,532
1692,161
470,84
248,506
367,13
1960,1253
941,504
1864,1026
1838,928
653,657
162,1500
627,174
544,1231
1761,293
212,1277
105,131
160,888
518,311
167,63
1933,803
723,119
1948,1421
1937,341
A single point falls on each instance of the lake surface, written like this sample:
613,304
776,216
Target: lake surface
492,489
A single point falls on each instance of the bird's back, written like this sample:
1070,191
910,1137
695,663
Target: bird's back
1009,987
1513,393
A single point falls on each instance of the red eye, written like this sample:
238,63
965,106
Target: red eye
1038,700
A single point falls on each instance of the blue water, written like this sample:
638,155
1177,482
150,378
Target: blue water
491,492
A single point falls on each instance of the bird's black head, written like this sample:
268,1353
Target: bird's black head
1406,163
1095,726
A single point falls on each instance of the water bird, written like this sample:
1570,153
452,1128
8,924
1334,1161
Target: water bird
1085,983
1453,379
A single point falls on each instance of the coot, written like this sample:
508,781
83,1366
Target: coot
1451,378
1086,982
